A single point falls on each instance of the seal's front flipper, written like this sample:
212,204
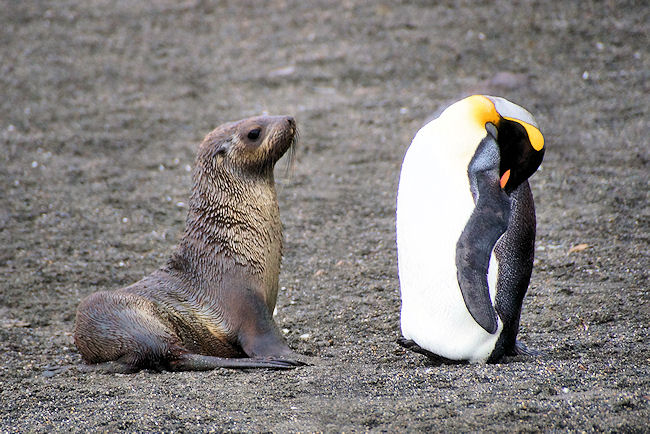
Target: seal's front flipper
258,335
199,362
488,222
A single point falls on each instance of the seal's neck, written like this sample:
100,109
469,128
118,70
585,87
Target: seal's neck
233,222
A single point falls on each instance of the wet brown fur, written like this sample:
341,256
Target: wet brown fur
213,300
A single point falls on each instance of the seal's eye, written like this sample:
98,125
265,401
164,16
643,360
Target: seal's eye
254,134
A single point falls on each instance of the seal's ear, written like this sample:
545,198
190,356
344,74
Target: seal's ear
221,149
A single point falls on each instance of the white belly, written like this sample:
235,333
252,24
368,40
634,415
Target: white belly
433,205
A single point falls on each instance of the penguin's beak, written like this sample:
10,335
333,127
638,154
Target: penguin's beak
504,179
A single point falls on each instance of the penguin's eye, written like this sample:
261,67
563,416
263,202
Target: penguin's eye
254,134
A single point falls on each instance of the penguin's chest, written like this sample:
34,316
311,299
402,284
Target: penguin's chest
434,205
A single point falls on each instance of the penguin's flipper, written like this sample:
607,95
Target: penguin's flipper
488,222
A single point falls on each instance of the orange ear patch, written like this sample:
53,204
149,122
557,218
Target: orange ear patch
504,178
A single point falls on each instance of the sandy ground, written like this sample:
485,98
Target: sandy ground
104,102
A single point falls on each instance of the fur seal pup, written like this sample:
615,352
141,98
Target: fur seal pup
466,230
211,305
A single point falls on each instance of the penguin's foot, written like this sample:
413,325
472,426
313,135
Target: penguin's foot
409,344
522,350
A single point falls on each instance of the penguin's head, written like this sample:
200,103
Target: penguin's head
515,131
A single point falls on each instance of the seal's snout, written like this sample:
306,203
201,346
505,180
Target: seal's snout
291,124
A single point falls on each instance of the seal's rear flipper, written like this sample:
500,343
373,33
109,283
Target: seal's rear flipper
52,370
198,362
112,367
191,362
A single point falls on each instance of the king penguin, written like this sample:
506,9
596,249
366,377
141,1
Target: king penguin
466,230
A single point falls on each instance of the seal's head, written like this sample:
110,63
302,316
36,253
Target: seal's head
233,206
251,145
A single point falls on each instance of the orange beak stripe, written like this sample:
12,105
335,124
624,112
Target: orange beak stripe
504,178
